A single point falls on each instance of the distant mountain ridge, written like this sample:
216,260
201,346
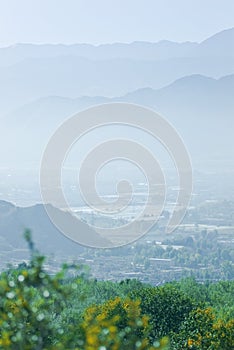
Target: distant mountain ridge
138,50
29,72
195,105
189,85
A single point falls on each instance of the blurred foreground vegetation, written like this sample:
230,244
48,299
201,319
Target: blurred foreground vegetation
72,311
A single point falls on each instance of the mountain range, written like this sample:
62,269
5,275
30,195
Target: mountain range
190,84
200,108
216,45
29,72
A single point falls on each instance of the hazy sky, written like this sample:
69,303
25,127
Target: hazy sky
103,21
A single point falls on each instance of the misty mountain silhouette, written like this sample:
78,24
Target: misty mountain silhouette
199,107
220,44
29,72
48,239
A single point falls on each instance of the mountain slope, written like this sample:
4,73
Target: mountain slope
199,107
220,44
14,220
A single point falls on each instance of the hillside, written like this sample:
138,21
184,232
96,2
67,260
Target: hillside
195,105
15,220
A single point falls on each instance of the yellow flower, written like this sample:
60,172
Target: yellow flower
25,273
190,342
5,340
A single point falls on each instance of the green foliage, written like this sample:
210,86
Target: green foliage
218,295
43,311
40,311
118,324
30,301
166,306
202,330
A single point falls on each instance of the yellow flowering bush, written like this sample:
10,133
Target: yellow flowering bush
118,324
204,331
59,312
32,304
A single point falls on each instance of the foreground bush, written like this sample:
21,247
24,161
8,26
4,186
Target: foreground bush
39,311
31,304
116,325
